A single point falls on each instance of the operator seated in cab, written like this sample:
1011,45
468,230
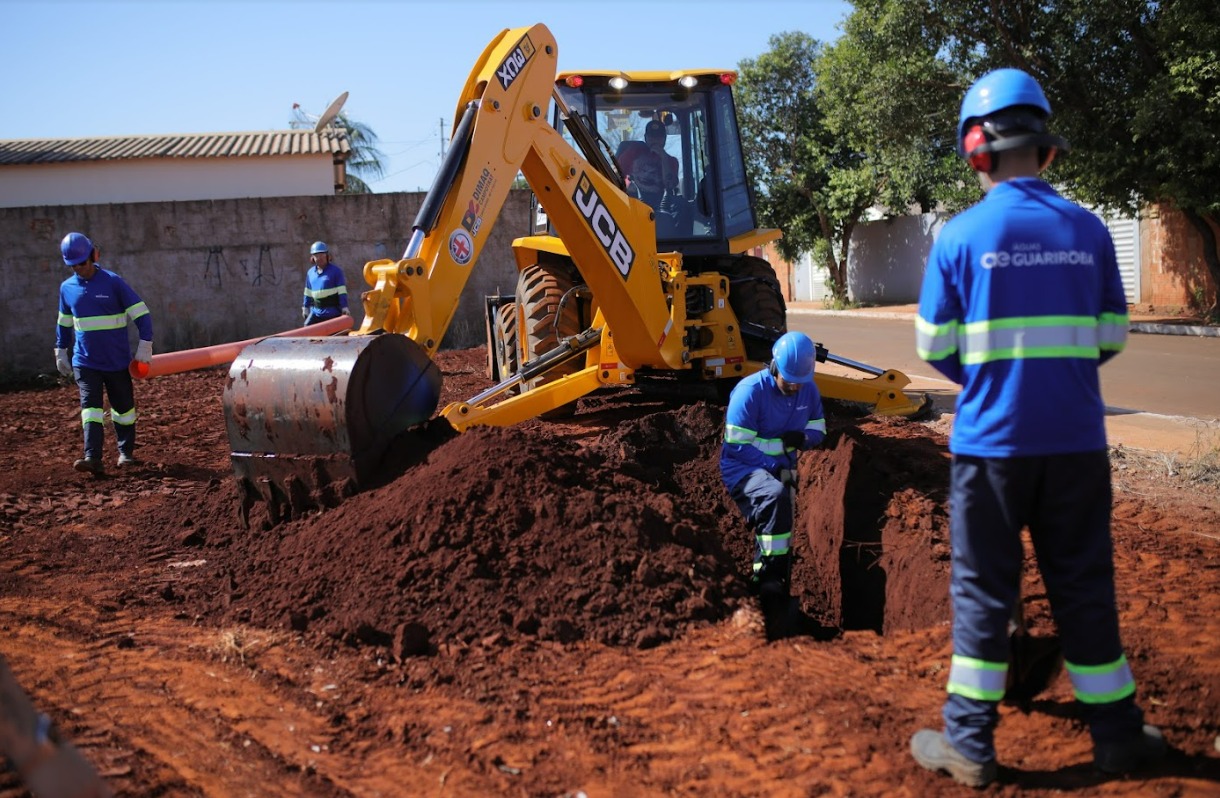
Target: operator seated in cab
651,172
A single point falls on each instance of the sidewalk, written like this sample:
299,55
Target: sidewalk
1185,436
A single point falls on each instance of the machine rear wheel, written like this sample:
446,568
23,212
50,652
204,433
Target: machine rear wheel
547,312
756,298
505,343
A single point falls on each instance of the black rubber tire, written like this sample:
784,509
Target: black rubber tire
505,342
756,298
543,324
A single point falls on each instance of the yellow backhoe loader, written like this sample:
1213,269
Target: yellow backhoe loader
642,269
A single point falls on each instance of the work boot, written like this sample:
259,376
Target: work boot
934,752
89,465
127,460
776,607
1123,757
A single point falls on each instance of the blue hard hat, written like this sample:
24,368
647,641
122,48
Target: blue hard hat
318,246
76,248
794,357
997,90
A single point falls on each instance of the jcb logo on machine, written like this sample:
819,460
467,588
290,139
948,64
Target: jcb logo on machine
604,227
515,62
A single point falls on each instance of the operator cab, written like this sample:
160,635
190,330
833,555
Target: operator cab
694,175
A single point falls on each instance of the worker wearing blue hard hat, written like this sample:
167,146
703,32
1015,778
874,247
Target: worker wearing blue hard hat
771,417
91,346
325,287
1021,303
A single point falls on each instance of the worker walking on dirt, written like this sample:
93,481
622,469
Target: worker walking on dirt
772,415
91,346
325,287
1021,302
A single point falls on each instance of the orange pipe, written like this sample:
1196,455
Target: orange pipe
192,359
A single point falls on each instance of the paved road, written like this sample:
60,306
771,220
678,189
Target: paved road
1159,384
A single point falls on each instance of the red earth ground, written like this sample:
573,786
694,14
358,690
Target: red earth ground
554,609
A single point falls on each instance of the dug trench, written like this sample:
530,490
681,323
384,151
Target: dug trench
555,607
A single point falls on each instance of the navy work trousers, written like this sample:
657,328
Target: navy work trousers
766,504
118,388
1065,501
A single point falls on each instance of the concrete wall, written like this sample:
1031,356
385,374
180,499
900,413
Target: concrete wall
162,179
222,270
885,263
886,258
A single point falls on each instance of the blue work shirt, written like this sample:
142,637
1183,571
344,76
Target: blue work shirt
1021,302
94,314
759,413
325,292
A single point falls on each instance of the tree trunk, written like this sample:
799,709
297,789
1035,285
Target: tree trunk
1210,256
838,277
844,247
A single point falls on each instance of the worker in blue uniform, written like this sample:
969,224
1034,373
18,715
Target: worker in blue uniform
325,287
1021,303
772,416
91,345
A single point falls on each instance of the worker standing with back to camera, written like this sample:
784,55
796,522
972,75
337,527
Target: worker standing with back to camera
1021,303
325,288
91,346
772,416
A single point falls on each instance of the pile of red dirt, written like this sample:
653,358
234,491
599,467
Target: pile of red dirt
552,608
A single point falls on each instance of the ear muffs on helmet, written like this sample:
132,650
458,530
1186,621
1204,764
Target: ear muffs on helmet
1009,129
978,154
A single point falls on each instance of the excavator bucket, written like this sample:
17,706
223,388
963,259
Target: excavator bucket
309,419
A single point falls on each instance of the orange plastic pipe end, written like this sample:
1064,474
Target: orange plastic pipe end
207,356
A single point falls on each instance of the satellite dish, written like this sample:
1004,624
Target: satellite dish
330,113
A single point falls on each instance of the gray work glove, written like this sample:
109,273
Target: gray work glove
144,351
346,312
63,362
304,314
787,476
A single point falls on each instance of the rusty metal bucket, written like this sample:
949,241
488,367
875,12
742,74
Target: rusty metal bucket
309,419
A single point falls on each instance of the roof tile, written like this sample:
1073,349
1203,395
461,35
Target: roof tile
185,145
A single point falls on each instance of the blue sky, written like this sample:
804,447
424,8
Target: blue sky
106,68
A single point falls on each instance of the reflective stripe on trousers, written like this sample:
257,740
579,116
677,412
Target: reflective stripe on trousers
118,388
1065,502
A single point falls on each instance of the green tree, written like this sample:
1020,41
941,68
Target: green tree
1134,84
367,162
809,183
897,111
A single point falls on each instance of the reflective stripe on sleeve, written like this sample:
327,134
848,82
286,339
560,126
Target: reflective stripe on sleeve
816,425
935,341
137,310
739,436
1112,331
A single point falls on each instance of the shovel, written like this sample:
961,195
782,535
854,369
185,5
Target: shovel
1033,662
